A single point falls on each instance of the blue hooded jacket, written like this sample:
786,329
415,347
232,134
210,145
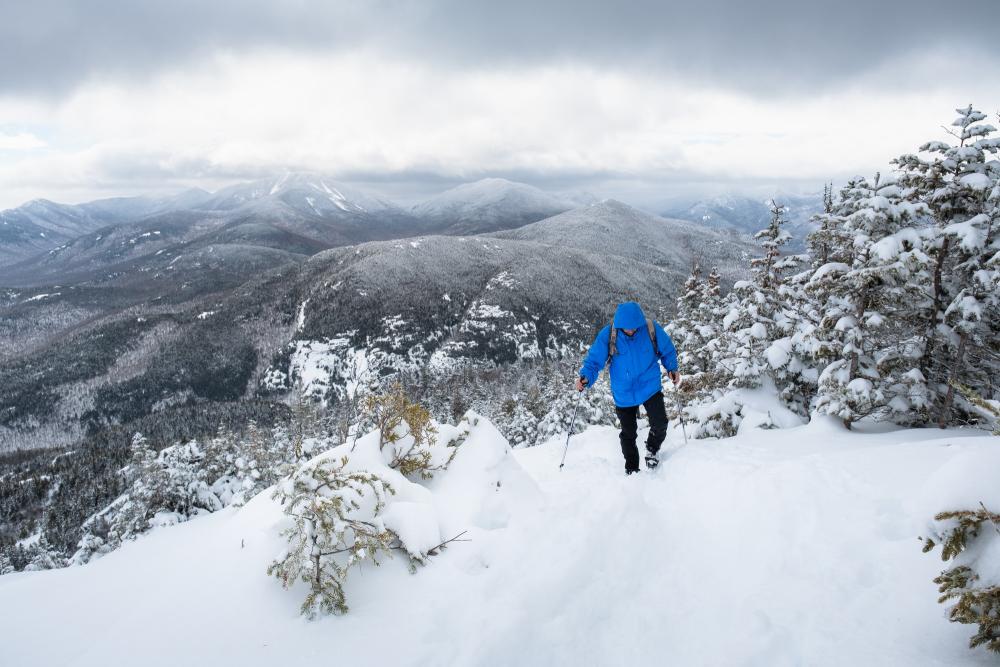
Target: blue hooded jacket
635,373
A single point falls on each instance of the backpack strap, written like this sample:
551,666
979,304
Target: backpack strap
652,336
612,345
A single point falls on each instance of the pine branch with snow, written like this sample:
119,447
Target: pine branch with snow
964,537
989,408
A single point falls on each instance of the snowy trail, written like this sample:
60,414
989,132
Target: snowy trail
766,552
780,547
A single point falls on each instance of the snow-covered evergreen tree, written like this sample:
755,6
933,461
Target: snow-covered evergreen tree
697,333
750,338
708,317
683,327
189,479
759,319
791,357
38,555
244,464
830,249
596,406
711,300
828,236
521,424
958,183
868,293
165,488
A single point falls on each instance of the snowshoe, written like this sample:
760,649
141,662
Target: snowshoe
652,460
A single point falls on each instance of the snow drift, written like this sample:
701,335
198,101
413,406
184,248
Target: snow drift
774,547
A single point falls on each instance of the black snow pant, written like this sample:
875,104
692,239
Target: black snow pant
657,413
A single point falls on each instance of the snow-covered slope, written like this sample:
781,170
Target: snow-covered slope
436,303
40,225
776,547
315,207
298,213
487,205
135,208
440,301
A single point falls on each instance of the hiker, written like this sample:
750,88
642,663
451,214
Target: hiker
633,347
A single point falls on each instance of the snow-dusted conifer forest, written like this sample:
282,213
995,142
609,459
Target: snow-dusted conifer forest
829,491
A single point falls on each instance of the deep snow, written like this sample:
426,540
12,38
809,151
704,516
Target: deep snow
776,547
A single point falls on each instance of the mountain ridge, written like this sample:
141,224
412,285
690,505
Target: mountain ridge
432,302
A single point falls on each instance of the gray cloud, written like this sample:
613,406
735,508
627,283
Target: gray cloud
50,46
53,45
632,134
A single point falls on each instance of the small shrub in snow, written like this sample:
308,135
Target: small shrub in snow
963,536
406,433
339,503
336,525
716,415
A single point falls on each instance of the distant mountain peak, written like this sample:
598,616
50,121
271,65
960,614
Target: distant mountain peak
486,187
612,227
489,204
309,193
36,204
614,204
494,181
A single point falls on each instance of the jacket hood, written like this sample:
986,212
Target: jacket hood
629,316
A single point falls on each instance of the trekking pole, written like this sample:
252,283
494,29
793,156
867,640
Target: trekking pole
570,432
680,413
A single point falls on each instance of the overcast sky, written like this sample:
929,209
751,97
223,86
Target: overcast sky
638,100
